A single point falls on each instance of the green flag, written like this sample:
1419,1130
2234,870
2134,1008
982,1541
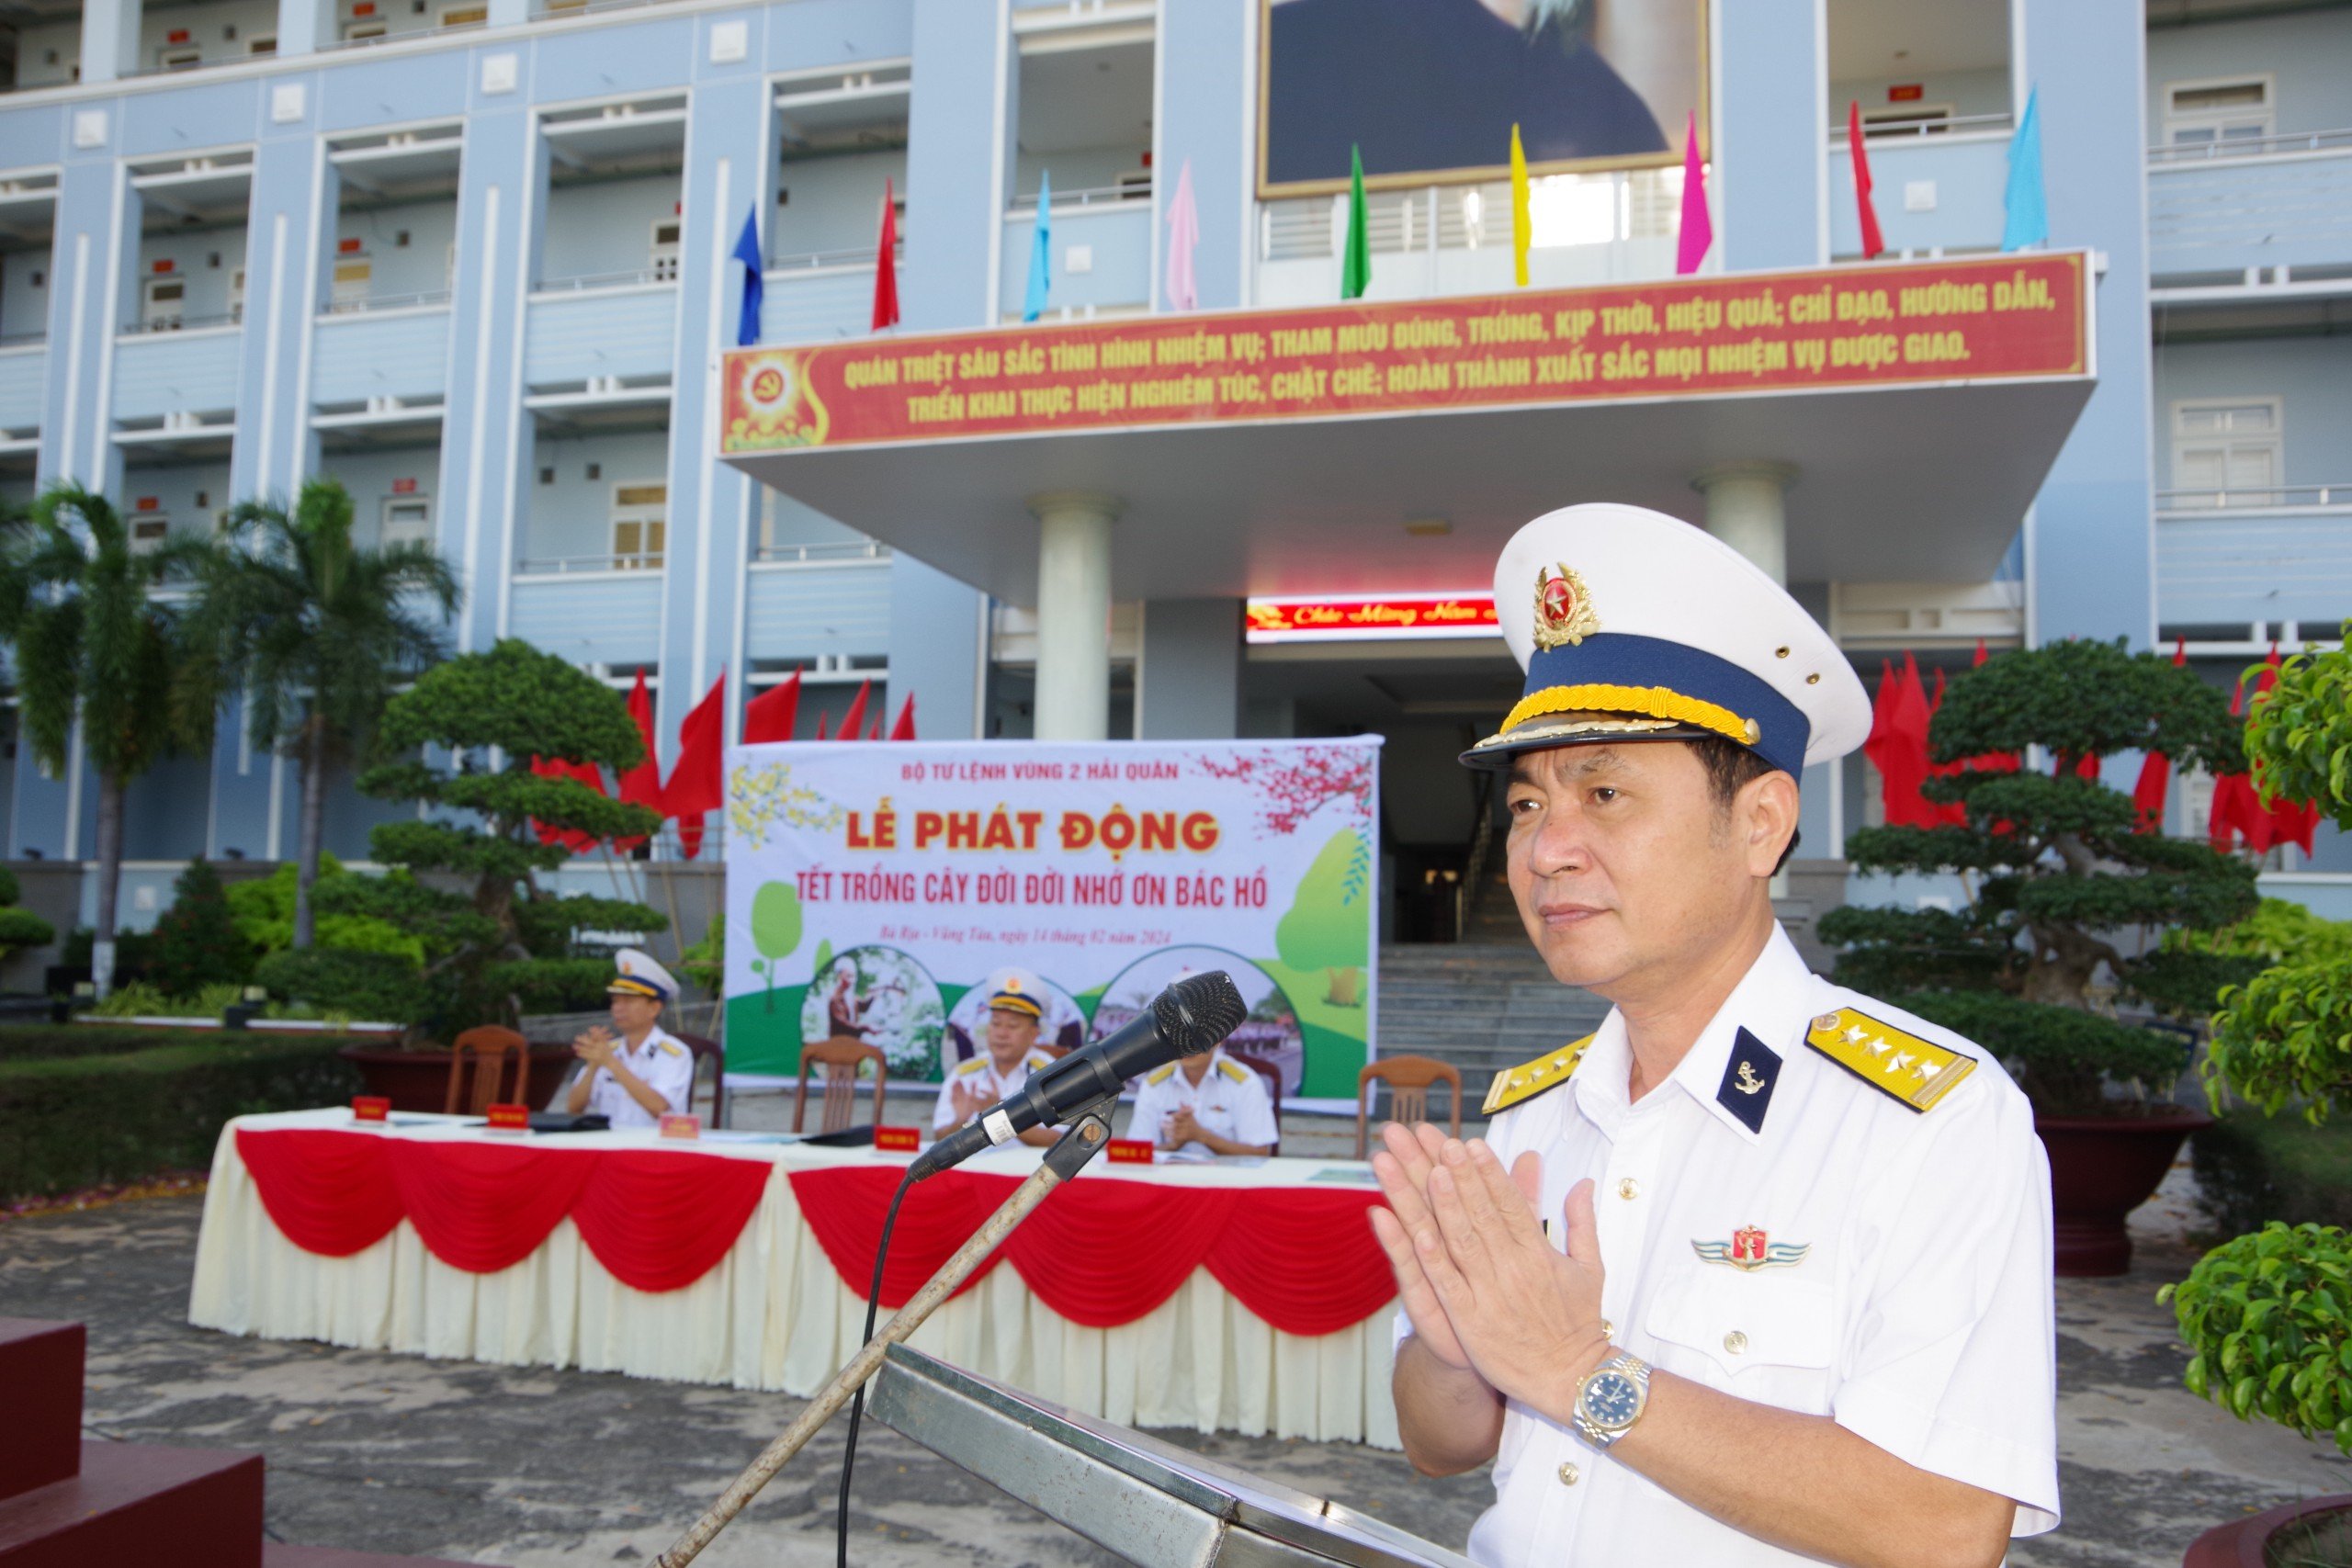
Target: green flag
1355,261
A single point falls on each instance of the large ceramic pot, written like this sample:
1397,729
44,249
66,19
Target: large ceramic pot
419,1080
2243,1543
2102,1167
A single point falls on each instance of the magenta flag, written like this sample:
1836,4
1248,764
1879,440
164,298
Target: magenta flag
1698,231
1183,236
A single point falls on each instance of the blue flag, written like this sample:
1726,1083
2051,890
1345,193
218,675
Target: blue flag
747,250
1041,252
2028,219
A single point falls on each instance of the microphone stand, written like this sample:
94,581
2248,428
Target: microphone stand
1090,1128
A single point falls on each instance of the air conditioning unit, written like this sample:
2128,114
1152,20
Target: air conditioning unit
665,250
163,303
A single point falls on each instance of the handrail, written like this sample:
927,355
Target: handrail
2217,151
810,261
1092,195
185,324
847,551
2265,496
1924,127
599,281
1473,866
562,566
385,302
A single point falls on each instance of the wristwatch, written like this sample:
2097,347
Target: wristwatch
1611,1399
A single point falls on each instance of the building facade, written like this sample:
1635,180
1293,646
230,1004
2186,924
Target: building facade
474,258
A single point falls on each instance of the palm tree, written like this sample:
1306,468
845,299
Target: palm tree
319,633
93,641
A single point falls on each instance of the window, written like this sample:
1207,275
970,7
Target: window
640,526
165,301
665,250
2227,452
408,520
354,277
148,531
2217,113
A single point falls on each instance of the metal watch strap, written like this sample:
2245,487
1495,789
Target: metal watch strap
1633,1369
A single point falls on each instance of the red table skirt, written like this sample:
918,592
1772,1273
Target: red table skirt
1100,1252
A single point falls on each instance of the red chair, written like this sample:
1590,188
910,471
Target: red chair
705,1049
839,1058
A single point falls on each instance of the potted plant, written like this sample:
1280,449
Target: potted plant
495,943
2267,1317
2059,872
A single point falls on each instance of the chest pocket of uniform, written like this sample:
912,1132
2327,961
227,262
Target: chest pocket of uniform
1741,1321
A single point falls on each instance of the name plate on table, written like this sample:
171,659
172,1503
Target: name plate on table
1130,1151
674,1126
371,1107
510,1118
897,1139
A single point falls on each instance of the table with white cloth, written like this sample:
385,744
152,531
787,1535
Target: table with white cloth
1244,1296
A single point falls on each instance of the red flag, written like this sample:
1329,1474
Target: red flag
2154,785
2292,821
1874,242
905,728
886,264
698,784
573,838
1978,663
854,719
876,733
1946,814
821,727
641,785
2236,808
1898,744
774,713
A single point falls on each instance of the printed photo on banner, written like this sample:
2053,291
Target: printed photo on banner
884,894
1269,1034
1427,91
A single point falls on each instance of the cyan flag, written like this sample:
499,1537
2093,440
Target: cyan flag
2028,222
747,250
1041,252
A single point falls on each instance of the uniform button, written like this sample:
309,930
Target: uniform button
1568,1474
1735,1342
1629,1187
1608,1329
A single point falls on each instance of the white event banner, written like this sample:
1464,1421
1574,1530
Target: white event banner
883,891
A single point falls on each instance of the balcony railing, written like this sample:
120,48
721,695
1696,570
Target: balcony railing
587,281
2274,497
1094,196
1921,130
2250,147
566,566
386,302
180,324
826,554
2253,557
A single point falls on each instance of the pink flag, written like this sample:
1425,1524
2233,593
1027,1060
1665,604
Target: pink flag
1698,231
1183,236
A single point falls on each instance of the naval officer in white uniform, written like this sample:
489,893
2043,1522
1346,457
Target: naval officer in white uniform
636,1077
1009,1053
1759,1273
1204,1105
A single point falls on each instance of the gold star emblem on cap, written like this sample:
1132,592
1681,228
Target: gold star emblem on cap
1563,607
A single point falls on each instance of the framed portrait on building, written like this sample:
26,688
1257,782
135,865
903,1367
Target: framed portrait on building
1430,89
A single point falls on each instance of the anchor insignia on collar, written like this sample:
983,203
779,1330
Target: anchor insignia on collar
1747,1082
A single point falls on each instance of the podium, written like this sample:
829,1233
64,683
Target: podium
1151,1503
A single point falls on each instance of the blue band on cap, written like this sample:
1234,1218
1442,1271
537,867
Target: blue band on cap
1621,658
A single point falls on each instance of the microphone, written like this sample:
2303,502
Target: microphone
1188,1017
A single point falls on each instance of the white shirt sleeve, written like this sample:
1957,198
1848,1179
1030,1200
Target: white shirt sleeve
1951,1357
669,1070
1151,1107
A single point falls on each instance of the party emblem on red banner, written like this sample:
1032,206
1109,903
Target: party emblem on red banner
1563,608
1750,1249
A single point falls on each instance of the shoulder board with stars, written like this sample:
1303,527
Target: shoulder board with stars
1160,1074
1897,1063
1233,1071
1514,1086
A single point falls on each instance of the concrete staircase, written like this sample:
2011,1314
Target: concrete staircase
1481,1006
65,1503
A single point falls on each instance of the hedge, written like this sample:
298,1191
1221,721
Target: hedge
70,1122
19,1042
2251,1168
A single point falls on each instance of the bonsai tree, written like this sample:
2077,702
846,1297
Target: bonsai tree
2057,870
20,929
196,941
317,633
1326,927
95,649
469,728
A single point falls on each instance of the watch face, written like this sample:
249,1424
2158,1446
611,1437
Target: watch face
1611,1400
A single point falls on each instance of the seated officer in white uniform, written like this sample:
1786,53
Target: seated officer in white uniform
1010,1054
637,1077
1759,1273
1208,1104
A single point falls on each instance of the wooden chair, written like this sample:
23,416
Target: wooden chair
488,1049
706,1049
1274,1076
840,1057
1408,1079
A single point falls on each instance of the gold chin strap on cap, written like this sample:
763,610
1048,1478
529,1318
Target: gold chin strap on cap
1656,702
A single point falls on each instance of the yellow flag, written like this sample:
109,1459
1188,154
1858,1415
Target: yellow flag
1521,226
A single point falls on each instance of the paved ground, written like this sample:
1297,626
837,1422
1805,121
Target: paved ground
533,1467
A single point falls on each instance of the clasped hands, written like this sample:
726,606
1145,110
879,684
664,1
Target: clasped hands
968,1103
1485,1290
595,1047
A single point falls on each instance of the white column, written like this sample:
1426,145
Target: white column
109,40
1747,509
1073,614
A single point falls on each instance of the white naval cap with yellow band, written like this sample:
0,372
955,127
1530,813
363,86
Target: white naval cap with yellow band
1634,625
638,976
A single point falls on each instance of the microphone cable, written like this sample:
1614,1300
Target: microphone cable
857,1403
